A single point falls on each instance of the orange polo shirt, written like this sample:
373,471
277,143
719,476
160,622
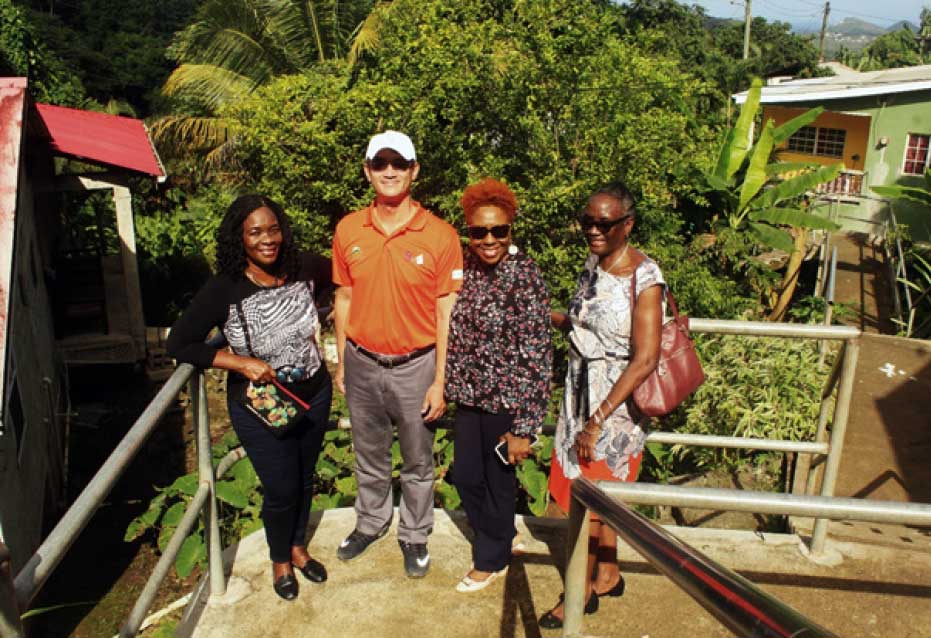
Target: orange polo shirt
395,279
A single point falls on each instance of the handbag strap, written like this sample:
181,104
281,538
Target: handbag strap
245,328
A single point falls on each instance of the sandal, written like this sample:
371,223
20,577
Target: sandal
550,621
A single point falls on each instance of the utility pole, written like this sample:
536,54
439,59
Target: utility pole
824,28
746,29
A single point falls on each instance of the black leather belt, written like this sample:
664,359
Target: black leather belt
391,360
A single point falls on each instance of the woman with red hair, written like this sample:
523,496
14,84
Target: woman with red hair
498,372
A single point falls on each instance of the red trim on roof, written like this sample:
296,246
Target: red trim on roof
122,142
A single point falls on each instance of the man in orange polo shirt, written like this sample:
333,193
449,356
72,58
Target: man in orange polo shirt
398,269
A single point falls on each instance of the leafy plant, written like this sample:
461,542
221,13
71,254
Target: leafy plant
757,198
240,507
778,396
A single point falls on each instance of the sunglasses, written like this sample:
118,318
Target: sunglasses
379,163
290,374
604,226
481,232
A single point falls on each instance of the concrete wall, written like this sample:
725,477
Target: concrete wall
892,117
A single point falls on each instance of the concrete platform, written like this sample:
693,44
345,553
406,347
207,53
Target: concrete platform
854,590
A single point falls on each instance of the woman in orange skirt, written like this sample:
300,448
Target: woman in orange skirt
614,346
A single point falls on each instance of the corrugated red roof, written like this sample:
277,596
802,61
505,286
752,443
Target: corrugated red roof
117,141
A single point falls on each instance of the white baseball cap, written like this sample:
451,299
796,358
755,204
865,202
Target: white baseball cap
395,140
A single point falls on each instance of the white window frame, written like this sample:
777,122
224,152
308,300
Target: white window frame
905,159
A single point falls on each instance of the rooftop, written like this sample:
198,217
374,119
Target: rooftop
847,83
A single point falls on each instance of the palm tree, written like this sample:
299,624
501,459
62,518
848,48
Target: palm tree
235,46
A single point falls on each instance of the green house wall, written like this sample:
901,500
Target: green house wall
893,117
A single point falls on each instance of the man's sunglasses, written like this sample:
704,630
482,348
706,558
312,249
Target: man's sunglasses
604,226
477,233
378,163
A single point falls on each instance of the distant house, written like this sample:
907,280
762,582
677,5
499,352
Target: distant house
57,306
878,124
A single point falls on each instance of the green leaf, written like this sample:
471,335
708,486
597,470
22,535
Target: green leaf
326,470
796,186
792,217
780,168
756,172
186,484
788,129
775,237
192,552
229,492
347,486
449,495
737,141
174,514
904,192
244,473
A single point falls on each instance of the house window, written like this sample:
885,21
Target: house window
916,154
812,140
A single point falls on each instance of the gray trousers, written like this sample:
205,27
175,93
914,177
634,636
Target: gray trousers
378,397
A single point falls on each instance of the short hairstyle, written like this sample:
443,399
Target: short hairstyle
619,191
231,255
489,192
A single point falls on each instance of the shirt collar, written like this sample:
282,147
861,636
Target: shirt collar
417,222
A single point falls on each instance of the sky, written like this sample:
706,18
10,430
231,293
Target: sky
807,13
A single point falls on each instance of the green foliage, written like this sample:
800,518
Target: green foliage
754,387
890,50
24,53
236,46
919,194
529,95
240,506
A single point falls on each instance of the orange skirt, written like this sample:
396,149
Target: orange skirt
593,470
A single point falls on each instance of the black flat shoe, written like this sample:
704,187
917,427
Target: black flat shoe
286,587
616,591
550,621
313,570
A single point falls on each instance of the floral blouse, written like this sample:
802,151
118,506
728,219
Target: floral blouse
600,349
500,355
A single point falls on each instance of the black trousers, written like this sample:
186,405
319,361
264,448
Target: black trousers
487,487
286,469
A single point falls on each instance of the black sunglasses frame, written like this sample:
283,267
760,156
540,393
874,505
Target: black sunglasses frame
603,226
379,164
478,233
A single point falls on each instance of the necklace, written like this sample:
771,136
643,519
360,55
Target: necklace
618,260
258,283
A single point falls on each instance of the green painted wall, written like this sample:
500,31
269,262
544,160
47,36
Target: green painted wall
893,117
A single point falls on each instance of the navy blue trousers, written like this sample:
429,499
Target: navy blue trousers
487,487
286,469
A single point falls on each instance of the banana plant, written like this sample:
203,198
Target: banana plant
755,195
762,196
919,194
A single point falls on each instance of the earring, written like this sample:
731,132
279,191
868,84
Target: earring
512,249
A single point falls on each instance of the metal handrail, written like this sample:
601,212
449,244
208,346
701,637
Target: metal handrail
49,555
737,603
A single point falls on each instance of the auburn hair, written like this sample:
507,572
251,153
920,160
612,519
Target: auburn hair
489,192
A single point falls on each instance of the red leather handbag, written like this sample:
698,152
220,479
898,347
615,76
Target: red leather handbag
678,372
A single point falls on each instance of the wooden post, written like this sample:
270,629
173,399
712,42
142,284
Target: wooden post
122,200
824,28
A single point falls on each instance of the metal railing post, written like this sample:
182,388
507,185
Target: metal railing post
206,475
838,431
820,432
828,303
576,568
10,624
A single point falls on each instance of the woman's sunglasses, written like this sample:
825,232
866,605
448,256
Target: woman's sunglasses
477,233
378,163
604,226
290,374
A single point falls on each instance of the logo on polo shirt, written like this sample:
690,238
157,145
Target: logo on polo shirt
417,259
355,251
457,274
